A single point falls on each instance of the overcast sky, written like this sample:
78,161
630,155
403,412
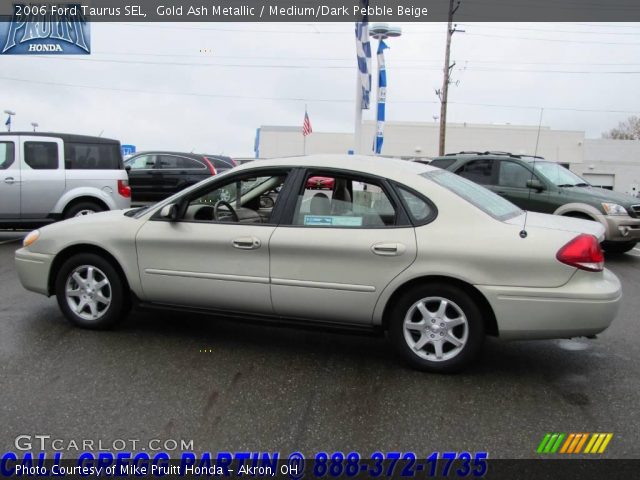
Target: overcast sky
207,87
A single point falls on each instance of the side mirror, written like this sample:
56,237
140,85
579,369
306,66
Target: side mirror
170,212
127,168
535,184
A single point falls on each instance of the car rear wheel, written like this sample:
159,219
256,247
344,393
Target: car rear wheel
437,328
81,209
618,247
90,292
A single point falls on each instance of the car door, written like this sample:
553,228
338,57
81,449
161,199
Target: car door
338,248
9,179
180,172
141,168
42,175
512,185
222,263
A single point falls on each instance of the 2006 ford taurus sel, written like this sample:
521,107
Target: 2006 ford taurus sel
436,260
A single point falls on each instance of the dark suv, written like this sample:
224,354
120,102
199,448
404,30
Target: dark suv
539,185
154,176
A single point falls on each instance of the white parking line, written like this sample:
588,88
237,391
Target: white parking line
10,241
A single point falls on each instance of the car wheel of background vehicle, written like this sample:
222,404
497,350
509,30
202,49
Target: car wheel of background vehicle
618,247
437,328
90,292
81,209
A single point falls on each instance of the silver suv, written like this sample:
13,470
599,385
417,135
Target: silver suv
46,177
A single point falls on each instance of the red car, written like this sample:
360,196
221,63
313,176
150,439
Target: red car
321,183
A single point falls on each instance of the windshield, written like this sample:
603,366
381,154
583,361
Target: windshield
558,175
477,195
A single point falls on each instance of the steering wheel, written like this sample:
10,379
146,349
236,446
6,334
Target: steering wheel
222,203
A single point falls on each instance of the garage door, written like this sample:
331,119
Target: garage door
602,180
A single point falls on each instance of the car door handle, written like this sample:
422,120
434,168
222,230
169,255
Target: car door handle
246,243
388,249
10,180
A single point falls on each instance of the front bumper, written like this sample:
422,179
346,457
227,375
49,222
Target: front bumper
621,228
33,270
584,306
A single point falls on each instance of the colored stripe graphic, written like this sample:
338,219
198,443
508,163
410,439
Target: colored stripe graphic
573,443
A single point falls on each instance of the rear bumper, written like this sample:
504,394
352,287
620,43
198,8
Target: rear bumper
621,228
586,305
33,270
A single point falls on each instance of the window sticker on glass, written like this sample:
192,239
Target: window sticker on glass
332,220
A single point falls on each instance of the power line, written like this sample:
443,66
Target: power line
336,67
561,40
302,99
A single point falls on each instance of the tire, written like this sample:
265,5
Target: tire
460,307
617,247
109,300
82,208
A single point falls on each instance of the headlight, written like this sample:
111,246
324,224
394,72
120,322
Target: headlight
31,238
614,209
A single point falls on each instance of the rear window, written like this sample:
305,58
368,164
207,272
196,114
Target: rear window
41,155
443,163
92,156
477,195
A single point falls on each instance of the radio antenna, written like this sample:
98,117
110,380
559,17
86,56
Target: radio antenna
523,232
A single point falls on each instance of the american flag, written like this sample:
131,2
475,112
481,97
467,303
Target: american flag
306,125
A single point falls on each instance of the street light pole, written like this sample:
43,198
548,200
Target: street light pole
8,122
381,31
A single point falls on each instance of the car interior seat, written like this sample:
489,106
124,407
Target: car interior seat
320,204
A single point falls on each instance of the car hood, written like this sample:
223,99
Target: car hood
557,222
602,195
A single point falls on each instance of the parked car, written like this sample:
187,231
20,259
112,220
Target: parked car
46,177
434,259
157,175
320,183
539,185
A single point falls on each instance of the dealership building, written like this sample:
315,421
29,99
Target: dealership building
613,164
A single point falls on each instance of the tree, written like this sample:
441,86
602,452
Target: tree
627,130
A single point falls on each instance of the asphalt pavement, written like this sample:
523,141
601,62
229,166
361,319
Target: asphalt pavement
231,386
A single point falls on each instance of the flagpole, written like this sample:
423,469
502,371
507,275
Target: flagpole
357,130
304,137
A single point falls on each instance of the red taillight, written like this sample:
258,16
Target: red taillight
582,252
235,164
124,189
209,163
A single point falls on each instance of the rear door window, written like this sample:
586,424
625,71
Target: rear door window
7,155
479,171
343,201
41,155
92,156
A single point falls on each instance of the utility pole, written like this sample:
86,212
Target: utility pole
446,74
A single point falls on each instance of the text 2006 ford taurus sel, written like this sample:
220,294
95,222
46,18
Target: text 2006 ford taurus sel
437,261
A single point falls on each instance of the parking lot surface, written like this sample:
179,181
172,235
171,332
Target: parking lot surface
233,386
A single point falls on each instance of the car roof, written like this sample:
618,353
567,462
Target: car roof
380,166
167,152
66,137
489,155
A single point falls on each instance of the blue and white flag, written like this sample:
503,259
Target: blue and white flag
382,97
363,52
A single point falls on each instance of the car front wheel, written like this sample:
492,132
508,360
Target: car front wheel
90,292
437,328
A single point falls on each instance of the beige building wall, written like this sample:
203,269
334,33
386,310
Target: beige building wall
413,139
